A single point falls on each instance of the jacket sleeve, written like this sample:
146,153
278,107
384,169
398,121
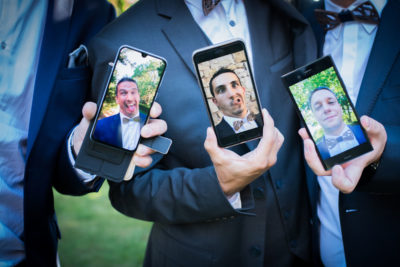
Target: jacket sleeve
385,179
177,195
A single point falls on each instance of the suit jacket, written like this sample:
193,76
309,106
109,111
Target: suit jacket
108,129
370,216
223,129
355,129
59,94
194,223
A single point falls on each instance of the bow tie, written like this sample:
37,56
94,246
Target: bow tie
126,120
332,142
239,123
364,13
208,5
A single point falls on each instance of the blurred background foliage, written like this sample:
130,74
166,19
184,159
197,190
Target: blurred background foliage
122,5
301,92
94,233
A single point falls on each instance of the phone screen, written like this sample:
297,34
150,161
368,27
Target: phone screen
229,92
327,111
126,103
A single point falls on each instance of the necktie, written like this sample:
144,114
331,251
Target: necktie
239,123
332,142
208,5
364,13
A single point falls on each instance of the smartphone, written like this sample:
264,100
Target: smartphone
229,92
129,95
325,108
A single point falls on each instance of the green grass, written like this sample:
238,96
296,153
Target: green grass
95,234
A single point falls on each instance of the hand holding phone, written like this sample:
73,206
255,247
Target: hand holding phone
229,92
325,108
346,176
235,171
123,110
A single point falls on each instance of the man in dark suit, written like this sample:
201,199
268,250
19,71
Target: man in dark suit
365,230
39,107
228,95
224,207
338,136
123,128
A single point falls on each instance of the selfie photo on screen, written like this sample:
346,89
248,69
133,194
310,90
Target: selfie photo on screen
230,94
328,114
130,94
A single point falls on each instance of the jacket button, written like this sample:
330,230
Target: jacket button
293,244
255,251
258,193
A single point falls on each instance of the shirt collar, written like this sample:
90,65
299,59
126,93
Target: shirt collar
227,4
330,6
231,120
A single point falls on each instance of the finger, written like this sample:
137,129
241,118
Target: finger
269,135
142,161
153,128
373,127
155,110
303,133
89,110
143,150
345,180
273,155
311,156
211,145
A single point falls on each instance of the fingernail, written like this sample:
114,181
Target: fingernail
366,123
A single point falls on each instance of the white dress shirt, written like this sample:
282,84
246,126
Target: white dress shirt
228,20
247,125
130,131
350,45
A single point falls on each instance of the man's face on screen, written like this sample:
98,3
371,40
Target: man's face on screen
229,95
128,98
327,111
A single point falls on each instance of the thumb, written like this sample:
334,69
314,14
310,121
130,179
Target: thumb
211,143
88,112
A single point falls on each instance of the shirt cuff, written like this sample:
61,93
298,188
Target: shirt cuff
235,201
84,176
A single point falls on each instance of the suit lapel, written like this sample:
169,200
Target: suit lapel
260,44
51,52
384,52
182,31
308,11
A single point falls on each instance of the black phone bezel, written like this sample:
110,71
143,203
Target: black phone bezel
307,71
106,89
216,51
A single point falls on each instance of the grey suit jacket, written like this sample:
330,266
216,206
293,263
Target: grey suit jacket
194,224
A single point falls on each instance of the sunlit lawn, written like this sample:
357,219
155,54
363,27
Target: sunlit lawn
95,234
